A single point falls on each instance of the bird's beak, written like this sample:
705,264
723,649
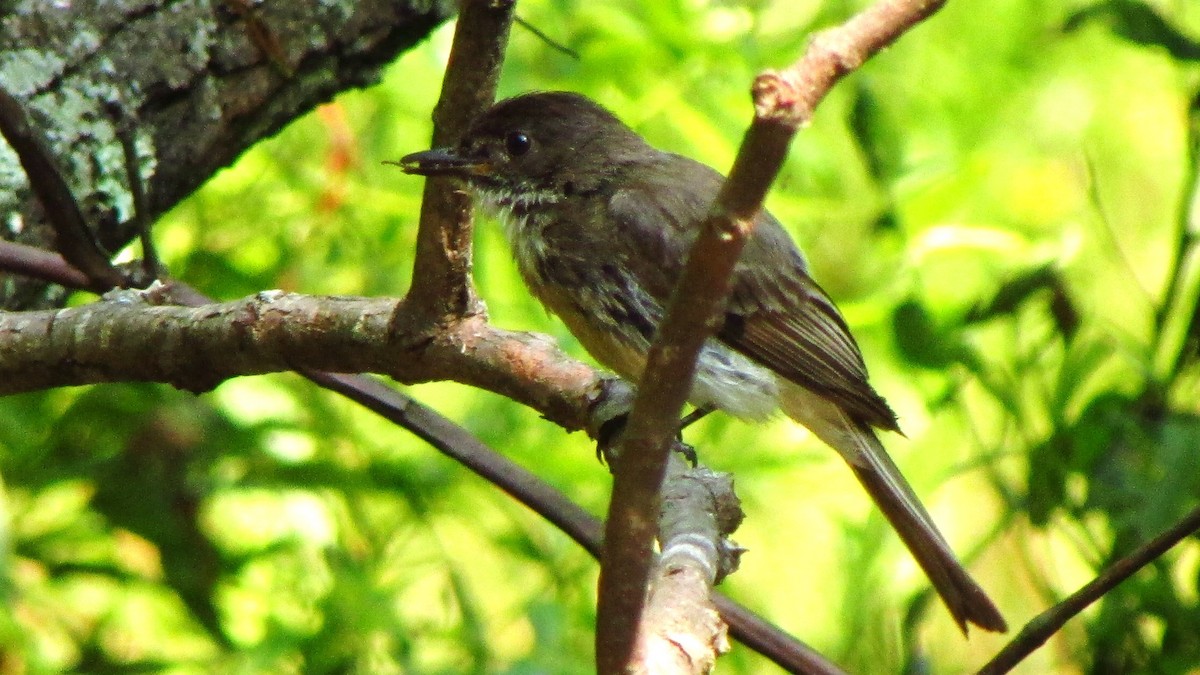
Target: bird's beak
443,162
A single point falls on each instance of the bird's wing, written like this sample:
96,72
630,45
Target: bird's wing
777,315
780,317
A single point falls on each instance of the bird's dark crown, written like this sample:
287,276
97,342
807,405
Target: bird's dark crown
549,142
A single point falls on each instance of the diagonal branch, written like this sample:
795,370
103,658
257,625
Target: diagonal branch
1043,626
784,101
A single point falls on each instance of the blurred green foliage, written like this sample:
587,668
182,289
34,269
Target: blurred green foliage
1000,203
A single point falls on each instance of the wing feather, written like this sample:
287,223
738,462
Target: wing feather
777,315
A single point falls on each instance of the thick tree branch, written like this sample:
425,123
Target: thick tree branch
783,102
196,348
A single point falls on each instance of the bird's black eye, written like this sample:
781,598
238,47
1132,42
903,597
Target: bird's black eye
517,143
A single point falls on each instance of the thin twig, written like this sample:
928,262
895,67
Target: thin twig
550,42
460,445
39,263
1043,626
767,639
124,125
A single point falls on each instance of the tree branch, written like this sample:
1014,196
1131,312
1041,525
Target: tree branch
196,348
40,264
584,528
682,630
784,101
441,281
72,237
1043,626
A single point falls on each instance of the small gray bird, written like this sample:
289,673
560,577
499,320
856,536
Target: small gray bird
600,224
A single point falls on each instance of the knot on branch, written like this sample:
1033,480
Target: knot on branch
777,97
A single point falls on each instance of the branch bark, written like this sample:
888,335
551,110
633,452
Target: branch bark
683,630
127,338
441,281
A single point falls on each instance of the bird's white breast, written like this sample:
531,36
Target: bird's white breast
513,209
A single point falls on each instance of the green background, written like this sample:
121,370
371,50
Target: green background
996,203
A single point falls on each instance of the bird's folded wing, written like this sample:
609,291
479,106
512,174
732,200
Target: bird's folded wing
777,315
804,339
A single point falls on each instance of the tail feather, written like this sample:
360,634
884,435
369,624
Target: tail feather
968,603
876,471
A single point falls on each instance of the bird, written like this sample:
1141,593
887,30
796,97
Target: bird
600,223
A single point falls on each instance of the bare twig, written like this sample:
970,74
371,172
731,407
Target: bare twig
550,42
124,125
784,101
790,97
460,445
40,264
1043,626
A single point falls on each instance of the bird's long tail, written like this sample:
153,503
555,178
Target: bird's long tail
885,484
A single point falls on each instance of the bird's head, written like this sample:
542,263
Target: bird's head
536,147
